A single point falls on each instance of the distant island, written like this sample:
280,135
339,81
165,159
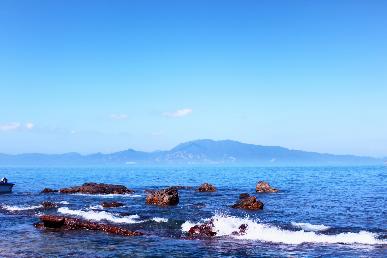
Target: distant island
199,152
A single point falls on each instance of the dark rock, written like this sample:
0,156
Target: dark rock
242,230
49,205
164,197
113,204
243,195
48,190
264,187
202,231
94,188
206,187
67,223
249,203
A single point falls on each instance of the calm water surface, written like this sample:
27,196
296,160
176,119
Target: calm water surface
332,211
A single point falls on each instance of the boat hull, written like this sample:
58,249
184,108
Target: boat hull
6,188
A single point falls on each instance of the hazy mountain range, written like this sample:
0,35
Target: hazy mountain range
199,152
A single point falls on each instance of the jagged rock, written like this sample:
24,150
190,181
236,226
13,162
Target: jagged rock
113,204
242,230
200,231
243,195
48,190
67,223
249,203
164,197
49,205
264,187
94,188
206,187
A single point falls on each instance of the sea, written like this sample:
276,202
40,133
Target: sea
318,212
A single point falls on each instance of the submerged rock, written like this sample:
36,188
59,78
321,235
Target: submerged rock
49,205
94,188
203,230
164,197
242,230
249,203
264,187
206,187
67,223
113,204
48,190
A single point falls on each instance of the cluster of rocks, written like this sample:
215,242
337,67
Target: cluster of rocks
164,197
67,223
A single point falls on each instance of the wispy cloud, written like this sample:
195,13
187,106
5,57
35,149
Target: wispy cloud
119,116
179,113
13,126
9,126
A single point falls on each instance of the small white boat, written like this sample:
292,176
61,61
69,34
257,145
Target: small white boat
6,187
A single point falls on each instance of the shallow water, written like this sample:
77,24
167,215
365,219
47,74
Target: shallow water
320,211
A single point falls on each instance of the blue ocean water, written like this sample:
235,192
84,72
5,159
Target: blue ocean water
319,211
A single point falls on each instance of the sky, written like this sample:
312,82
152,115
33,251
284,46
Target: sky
104,76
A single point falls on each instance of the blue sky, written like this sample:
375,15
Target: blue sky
91,76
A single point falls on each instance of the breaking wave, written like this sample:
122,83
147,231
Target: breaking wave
226,225
100,215
159,220
21,208
310,227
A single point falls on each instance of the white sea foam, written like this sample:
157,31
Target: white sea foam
110,195
226,225
64,202
159,220
21,208
100,215
310,227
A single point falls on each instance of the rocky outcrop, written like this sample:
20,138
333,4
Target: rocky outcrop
94,188
206,187
242,230
67,223
49,205
249,203
264,187
48,190
164,197
202,231
113,204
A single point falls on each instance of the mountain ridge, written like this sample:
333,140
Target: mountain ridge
197,152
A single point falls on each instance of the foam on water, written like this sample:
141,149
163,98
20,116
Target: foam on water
159,220
100,215
310,227
225,226
64,202
21,208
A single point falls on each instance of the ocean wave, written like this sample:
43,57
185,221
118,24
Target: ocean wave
64,202
21,208
100,215
225,226
310,227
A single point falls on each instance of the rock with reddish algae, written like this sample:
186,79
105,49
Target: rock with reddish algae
243,195
206,187
264,187
48,190
67,223
164,197
113,204
94,188
202,231
249,203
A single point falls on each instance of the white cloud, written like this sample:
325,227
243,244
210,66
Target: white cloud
119,116
179,113
29,125
9,126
